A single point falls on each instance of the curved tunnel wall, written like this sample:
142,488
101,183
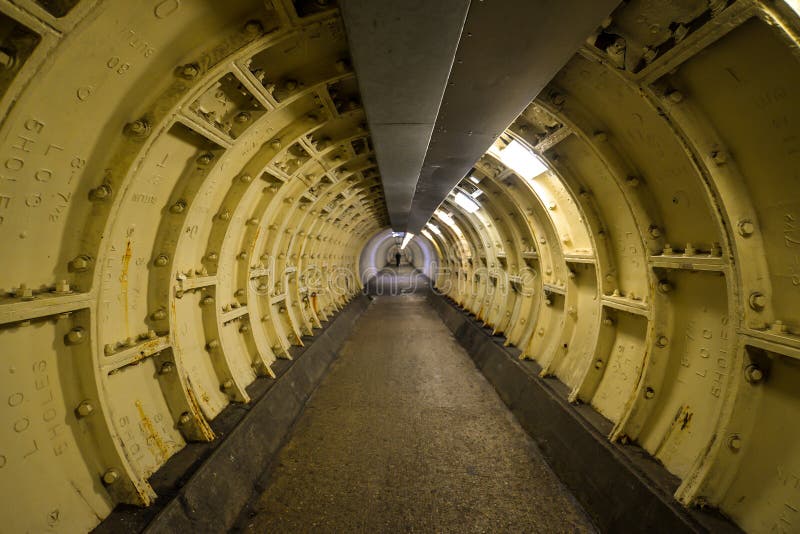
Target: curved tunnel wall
187,188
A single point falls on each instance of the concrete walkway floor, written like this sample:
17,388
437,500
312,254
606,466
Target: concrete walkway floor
405,435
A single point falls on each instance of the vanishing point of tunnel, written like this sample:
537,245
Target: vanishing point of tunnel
399,266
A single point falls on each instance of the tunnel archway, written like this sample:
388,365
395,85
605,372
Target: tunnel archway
189,189
378,252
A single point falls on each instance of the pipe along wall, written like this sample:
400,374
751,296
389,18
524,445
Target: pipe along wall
186,189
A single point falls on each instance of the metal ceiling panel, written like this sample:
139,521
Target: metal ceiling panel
509,51
402,53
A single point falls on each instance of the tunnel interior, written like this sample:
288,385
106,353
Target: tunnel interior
191,189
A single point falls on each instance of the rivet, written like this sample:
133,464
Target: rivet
735,443
242,117
665,286
110,476
166,368
207,300
75,336
757,301
600,136
598,364
84,409
246,178
213,344
205,159
212,256
224,215
228,384
632,181
161,261
275,144
649,393
654,231
662,341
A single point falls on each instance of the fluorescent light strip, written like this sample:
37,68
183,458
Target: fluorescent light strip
435,229
519,159
406,239
466,202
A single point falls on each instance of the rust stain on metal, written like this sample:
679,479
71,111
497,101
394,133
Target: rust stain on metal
123,280
147,426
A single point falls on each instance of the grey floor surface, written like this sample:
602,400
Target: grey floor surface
405,435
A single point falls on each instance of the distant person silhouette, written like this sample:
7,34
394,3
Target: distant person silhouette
397,257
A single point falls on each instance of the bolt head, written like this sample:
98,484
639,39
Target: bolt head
178,207
166,368
79,264
753,374
654,231
746,227
138,128
110,476
735,443
719,157
185,418
665,286
189,71
161,261
75,336
662,341
675,96
757,301
649,393
84,409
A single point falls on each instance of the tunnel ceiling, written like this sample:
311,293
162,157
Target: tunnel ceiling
404,53
186,189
